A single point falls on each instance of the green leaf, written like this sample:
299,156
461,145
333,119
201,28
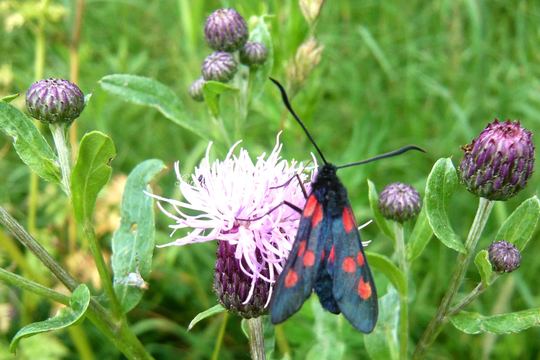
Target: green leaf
245,328
9,98
133,242
216,309
67,316
420,236
519,227
475,323
382,343
149,92
391,271
259,76
91,172
381,222
31,146
484,267
329,343
440,186
211,92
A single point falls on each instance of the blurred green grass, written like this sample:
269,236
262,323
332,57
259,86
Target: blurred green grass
392,73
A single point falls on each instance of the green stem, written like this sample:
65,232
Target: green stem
117,332
477,291
220,125
29,285
59,136
256,338
80,340
103,271
404,298
221,334
434,327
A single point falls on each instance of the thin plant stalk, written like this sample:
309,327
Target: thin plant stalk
103,271
404,298
434,327
256,338
221,334
59,136
33,287
118,332
469,298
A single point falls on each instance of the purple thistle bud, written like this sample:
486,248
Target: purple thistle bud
253,54
54,101
504,256
498,163
196,89
225,30
232,285
219,66
399,202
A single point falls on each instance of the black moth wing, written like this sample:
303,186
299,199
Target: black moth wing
353,288
296,281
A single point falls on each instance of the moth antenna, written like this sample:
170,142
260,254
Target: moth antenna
293,113
384,156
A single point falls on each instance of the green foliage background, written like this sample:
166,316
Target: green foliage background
392,73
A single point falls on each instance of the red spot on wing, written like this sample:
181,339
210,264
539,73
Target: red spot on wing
348,264
364,289
322,254
302,248
291,279
310,206
309,258
360,259
317,216
332,254
348,220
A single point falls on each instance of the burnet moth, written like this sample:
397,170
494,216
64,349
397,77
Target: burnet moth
327,255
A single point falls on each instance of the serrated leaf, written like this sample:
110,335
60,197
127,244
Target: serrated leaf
259,76
211,92
382,343
216,309
152,93
381,222
484,267
440,186
475,323
29,144
91,172
519,227
133,242
67,316
391,271
420,236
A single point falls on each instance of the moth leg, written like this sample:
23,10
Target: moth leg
292,206
297,176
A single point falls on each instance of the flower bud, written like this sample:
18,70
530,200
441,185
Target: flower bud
306,59
219,66
253,54
54,101
498,163
196,89
399,202
225,30
232,285
311,9
504,256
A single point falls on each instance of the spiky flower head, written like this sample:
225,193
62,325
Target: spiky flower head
219,66
54,101
504,256
253,54
498,163
399,202
225,30
196,89
230,201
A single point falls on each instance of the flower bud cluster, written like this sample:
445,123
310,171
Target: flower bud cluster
226,32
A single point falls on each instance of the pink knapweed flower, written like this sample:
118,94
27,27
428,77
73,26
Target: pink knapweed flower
238,201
